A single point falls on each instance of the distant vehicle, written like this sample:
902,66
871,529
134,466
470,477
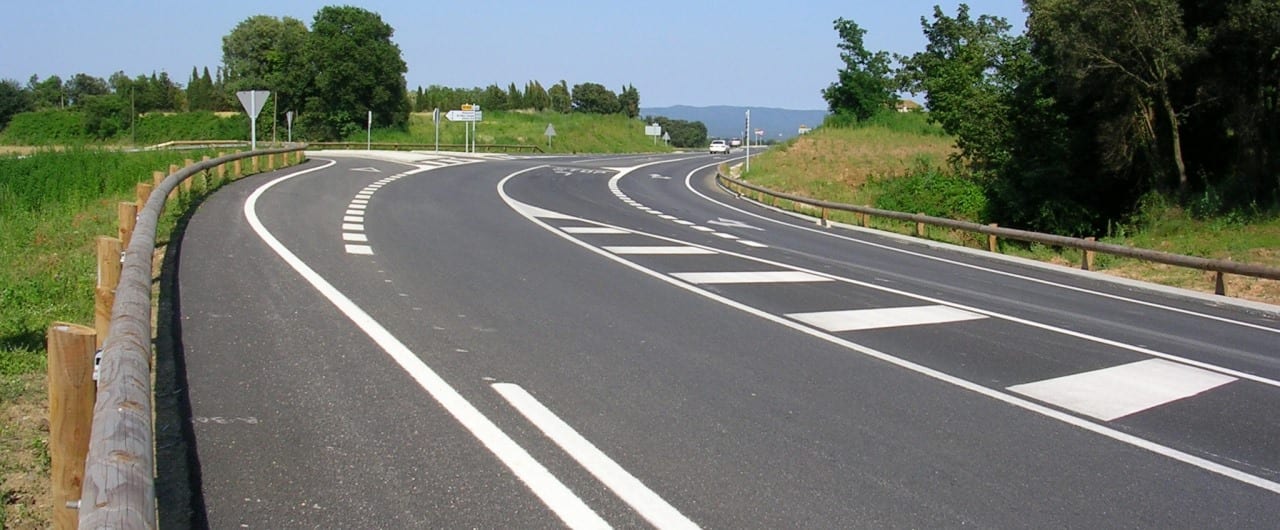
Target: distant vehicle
736,142
719,147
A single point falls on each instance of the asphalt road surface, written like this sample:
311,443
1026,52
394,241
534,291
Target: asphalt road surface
405,340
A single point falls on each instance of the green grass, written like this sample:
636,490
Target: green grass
575,132
54,206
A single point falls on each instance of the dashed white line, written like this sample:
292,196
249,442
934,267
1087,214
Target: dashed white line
658,250
749,277
350,236
360,249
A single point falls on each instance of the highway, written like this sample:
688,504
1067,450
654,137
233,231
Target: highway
399,340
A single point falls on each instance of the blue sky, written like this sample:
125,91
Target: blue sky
730,52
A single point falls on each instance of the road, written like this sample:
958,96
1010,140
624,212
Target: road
421,340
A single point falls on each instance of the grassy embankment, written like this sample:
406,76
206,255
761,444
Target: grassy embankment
52,206
862,166
575,133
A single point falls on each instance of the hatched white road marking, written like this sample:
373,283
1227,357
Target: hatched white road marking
349,236
593,230
353,218
753,244
704,229
367,169
353,227
749,277
360,249
725,236
659,250
1119,391
860,319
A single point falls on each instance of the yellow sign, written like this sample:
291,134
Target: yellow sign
466,106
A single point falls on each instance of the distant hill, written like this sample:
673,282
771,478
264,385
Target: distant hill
727,122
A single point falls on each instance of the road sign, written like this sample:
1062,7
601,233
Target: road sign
653,130
759,132
288,118
551,131
253,101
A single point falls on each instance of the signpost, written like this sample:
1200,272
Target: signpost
748,128
654,130
368,139
253,101
288,119
469,115
551,131
435,118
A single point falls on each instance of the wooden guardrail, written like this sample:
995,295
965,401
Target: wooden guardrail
1088,246
104,467
393,146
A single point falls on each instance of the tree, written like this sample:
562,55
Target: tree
594,98
960,73
561,100
629,101
535,96
357,69
47,94
864,86
268,53
83,85
683,133
1125,54
515,100
13,99
494,98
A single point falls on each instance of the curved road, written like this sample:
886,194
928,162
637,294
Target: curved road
422,340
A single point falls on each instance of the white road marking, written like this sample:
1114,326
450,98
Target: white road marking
360,201
753,244
725,236
360,249
353,218
730,223
704,229
629,488
357,206
593,230
1004,397
349,236
367,169
658,250
353,227
683,222
1119,391
862,319
354,212
553,493
749,277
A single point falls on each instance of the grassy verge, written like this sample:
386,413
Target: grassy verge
857,166
575,132
54,205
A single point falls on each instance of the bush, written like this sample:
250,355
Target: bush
45,127
156,127
930,190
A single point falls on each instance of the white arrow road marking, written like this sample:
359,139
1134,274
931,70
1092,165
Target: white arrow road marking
367,169
730,223
657,176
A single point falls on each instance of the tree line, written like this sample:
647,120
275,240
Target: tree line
332,75
1096,109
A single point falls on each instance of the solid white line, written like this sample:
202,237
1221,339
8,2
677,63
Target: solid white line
656,250
571,509
628,488
353,226
347,236
861,319
749,277
360,249
1112,393
593,230
997,395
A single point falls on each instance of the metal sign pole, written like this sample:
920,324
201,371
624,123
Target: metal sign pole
748,131
436,117
368,138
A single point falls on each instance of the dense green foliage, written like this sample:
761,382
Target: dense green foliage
66,127
929,190
683,133
595,98
45,127
1100,104
357,69
13,100
864,85
267,53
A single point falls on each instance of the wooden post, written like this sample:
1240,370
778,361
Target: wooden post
865,219
920,227
71,396
1220,284
141,193
208,174
254,164
271,162
235,169
156,178
825,222
222,168
992,244
126,215
104,292
1086,262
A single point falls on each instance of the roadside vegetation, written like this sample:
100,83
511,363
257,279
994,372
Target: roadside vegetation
52,206
575,132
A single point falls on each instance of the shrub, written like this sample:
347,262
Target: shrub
930,190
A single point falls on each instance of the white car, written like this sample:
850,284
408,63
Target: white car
719,147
